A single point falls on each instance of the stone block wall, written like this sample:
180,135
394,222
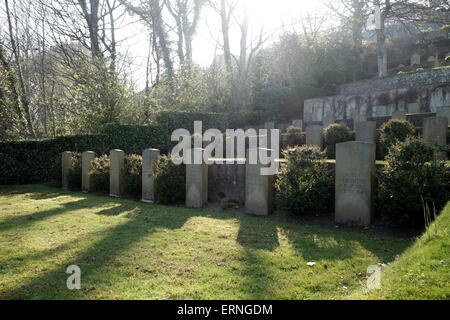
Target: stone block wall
226,180
406,81
415,93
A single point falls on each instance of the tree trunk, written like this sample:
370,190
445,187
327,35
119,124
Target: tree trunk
225,35
12,86
24,98
162,37
357,29
92,19
381,38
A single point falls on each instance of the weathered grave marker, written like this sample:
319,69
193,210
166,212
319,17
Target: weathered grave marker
86,159
259,193
149,158
314,136
366,131
66,163
116,172
355,169
196,181
435,131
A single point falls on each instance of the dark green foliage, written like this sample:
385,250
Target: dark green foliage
411,173
336,133
393,131
305,184
281,103
245,117
133,175
172,120
74,176
99,174
169,121
295,136
134,138
169,181
448,142
40,161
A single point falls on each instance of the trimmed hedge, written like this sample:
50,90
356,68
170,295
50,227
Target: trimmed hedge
394,131
305,184
75,171
99,174
295,136
40,161
169,181
134,138
411,173
333,134
133,175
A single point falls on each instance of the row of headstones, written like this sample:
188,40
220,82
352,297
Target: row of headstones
116,171
258,188
416,59
434,130
355,167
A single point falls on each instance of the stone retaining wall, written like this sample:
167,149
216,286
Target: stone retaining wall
385,97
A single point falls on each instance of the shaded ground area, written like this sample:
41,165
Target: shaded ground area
132,250
378,228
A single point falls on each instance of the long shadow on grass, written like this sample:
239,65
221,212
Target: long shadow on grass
97,257
256,236
24,221
312,244
316,244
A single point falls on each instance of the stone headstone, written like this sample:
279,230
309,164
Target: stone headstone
358,118
431,59
413,107
366,131
259,193
435,131
314,136
328,119
269,125
66,163
297,123
116,172
434,60
355,170
196,182
415,59
443,112
400,115
86,159
149,158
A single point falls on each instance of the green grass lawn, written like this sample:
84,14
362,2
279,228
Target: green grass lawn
132,250
423,270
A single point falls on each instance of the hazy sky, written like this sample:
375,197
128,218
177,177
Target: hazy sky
271,14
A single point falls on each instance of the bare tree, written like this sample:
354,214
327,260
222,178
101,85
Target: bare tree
12,82
150,11
23,91
225,9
